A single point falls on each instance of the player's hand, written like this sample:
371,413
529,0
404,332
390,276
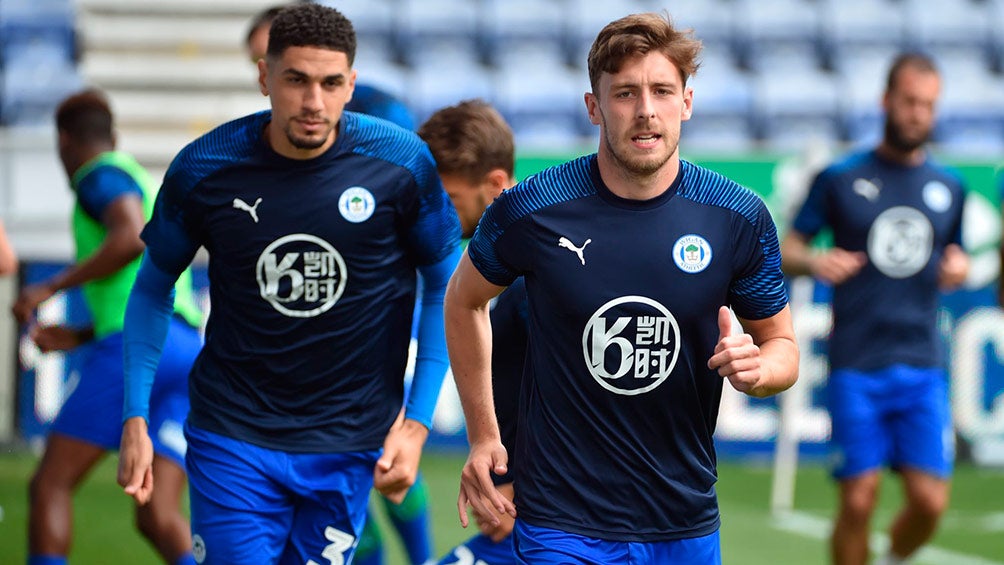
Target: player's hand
136,460
837,265
476,487
397,468
56,338
736,357
497,532
29,299
953,268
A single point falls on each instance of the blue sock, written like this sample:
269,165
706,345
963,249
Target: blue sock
46,560
185,559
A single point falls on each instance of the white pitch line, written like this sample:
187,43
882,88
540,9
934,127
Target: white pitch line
819,528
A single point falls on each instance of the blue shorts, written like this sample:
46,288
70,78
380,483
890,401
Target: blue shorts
93,410
250,504
481,549
897,416
533,544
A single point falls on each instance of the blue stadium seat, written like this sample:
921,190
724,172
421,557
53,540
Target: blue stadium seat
38,56
777,24
418,22
955,23
794,105
522,99
508,24
29,93
868,22
723,104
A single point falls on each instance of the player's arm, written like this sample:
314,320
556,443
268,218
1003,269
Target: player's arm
834,265
398,466
123,220
760,362
170,249
469,338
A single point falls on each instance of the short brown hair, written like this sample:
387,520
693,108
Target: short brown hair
639,34
470,139
86,116
915,60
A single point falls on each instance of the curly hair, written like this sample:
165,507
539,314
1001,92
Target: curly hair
470,140
311,25
639,34
86,116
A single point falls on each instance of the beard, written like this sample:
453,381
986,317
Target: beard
897,140
305,142
637,167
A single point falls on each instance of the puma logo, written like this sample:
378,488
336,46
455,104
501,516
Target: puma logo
567,244
866,188
252,210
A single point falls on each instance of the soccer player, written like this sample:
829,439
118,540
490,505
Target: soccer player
411,517
896,218
315,220
114,198
8,259
366,99
631,258
475,154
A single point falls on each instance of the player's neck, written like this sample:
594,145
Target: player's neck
629,185
907,158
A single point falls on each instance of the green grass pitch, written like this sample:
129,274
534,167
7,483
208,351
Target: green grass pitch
972,532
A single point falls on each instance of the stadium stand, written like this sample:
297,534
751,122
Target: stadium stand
774,72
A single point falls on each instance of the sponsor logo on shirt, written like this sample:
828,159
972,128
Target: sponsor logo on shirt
631,345
900,241
301,275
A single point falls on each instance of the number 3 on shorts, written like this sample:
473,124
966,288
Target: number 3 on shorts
335,551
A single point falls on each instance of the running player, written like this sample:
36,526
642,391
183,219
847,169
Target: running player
475,155
896,218
315,221
631,258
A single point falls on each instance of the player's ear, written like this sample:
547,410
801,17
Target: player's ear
593,107
352,85
688,104
263,75
497,180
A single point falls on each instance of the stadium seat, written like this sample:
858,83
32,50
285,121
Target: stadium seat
794,105
723,103
777,24
955,23
435,86
418,22
522,99
508,24
31,91
858,22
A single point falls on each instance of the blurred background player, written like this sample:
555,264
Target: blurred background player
632,258
896,218
114,197
313,290
8,258
411,518
475,155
